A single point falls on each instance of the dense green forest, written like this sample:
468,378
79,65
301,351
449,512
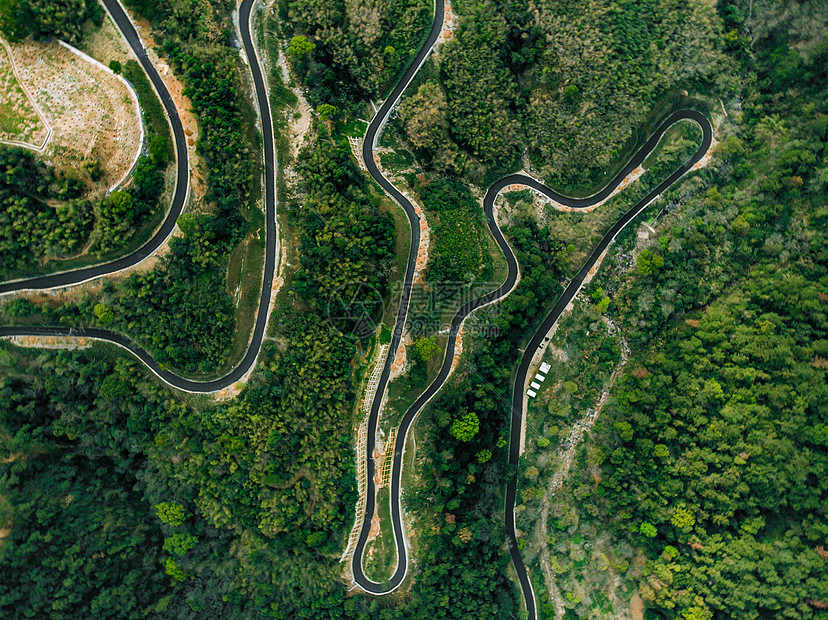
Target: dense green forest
348,52
568,85
739,492
31,226
461,252
345,243
702,485
63,19
707,468
45,215
232,510
224,510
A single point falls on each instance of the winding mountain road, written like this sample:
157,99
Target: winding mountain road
68,278
180,193
368,145
501,292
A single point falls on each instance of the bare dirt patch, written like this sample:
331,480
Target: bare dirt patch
51,342
400,362
300,124
637,607
449,26
375,527
92,112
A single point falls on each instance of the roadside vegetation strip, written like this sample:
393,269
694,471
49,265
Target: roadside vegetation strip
369,143
127,28
361,438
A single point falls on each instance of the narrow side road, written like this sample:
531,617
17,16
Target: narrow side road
77,276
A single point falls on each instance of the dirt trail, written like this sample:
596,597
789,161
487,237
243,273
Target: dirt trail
565,455
298,127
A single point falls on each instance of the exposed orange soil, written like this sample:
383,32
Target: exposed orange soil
448,26
51,342
591,273
400,361
458,351
425,240
198,186
375,527
377,473
637,607
708,157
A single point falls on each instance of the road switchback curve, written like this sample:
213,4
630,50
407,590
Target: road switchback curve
517,413
68,278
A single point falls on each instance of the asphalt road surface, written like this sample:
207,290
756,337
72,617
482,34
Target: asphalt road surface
569,293
368,145
501,292
124,24
179,199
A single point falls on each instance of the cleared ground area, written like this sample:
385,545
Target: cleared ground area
19,121
92,112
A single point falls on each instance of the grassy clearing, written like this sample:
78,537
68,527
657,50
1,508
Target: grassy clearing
244,283
349,128
403,236
398,161
403,244
14,117
283,102
674,137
